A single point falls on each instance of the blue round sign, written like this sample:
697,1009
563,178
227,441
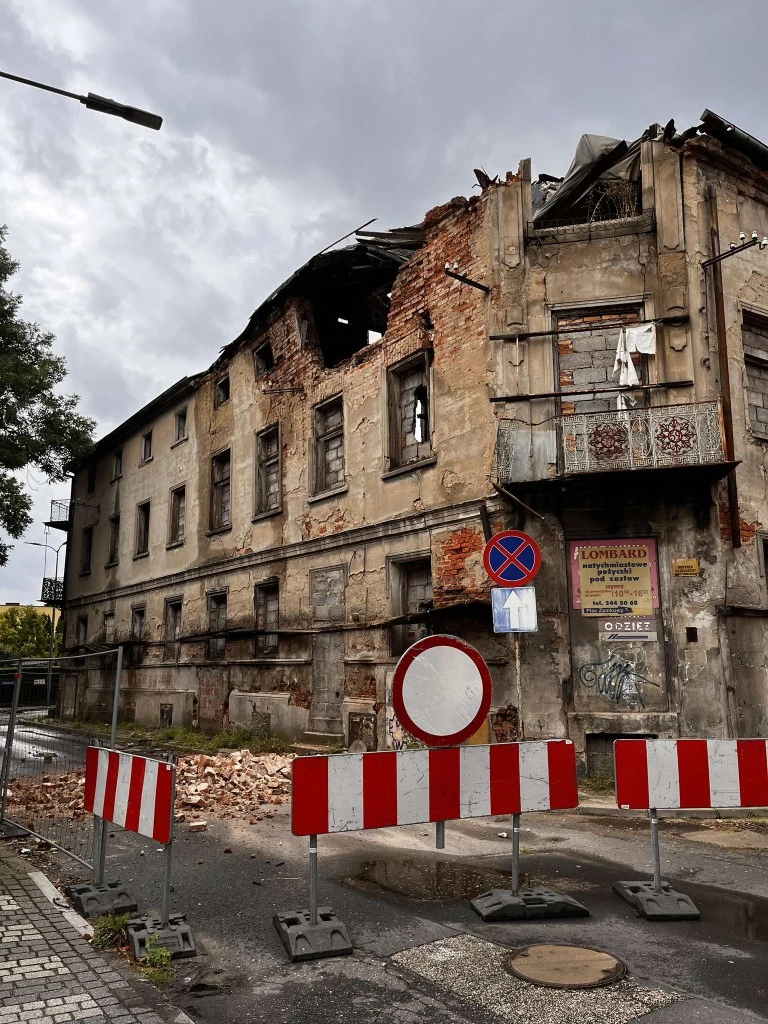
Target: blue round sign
512,558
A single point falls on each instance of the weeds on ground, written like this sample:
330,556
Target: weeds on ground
184,740
109,931
156,965
598,782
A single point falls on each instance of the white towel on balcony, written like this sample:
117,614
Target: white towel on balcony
641,338
626,369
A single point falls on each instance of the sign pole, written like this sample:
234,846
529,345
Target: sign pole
520,722
165,909
313,880
98,867
655,849
515,853
439,835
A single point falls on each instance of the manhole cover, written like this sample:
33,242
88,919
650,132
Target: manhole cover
565,966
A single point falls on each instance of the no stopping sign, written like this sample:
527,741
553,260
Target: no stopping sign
441,691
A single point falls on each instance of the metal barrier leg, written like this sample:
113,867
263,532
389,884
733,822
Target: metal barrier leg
655,849
165,909
439,835
98,868
8,752
515,852
313,880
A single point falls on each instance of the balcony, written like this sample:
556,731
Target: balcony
60,513
660,437
53,591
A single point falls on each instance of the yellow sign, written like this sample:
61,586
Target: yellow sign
685,567
615,578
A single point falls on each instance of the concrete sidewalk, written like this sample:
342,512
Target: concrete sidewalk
49,973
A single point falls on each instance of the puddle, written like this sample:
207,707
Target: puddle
743,916
431,880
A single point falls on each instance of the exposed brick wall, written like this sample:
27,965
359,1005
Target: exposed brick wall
747,529
454,580
755,341
586,359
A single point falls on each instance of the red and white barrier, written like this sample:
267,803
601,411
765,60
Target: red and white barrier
133,792
347,792
691,773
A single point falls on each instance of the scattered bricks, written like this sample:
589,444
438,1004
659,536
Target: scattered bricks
198,826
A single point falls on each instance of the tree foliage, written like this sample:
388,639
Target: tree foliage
39,427
25,633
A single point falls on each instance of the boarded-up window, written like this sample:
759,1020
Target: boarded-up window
267,608
86,550
409,412
172,647
329,446
142,528
217,623
268,497
114,540
754,334
412,593
178,515
220,491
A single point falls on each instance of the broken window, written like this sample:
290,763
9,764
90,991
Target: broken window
180,425
146,446
329,445
754,335
91,480
220,491
412,595
117,467
409,411
86,549
222,390
114,540
263,360
268,496
142,528
178,515
267,608
217,622
172,647
138,619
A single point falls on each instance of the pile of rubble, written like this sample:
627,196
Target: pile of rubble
52,796
231,784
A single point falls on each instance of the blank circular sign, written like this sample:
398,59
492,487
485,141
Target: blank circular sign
441,691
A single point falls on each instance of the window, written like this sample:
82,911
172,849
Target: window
91,480
146,446
142,528
268,496
180,425
412,594
220,491
86,550
138,620
172,647
109,627
117,466
263,360
114,540
222,390
329,446
217,622
82,630
267,608
409,413
754,334
178,515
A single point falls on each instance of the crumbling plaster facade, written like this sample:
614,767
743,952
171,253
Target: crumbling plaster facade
334,660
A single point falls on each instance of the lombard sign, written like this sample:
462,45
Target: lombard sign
614,577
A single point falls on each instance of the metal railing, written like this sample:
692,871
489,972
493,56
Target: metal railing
642,438
60,511
52,591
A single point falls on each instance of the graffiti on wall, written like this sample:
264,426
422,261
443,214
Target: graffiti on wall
620,677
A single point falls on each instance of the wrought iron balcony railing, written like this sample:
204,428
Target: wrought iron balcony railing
53,591
642,438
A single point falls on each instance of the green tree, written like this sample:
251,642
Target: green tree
25,633
39,427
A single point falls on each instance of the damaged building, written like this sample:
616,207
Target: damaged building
567,356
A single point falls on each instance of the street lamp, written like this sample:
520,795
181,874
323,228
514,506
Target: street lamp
39,544
94,102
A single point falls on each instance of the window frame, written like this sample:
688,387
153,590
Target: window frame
262,366
117,464
398,568
146,448
107,625
321,438
140,506
137,649
86,550
113,548
216,647
174,541
759,321
219,398
172,644
267,644
180,416
216,526
395,374
262,465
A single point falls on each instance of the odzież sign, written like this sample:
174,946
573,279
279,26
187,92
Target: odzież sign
615,577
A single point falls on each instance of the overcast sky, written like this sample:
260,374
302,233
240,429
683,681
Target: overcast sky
287,124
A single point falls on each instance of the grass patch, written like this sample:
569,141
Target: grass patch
598,782
184,740
109,931
156,965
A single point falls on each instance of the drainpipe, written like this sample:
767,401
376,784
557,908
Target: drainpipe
722,355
